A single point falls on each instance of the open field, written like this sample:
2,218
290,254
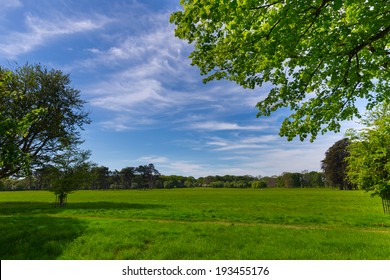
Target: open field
195,224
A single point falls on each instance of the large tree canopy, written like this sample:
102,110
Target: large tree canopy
319,55
41,115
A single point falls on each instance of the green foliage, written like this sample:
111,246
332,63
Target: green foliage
40,115
290,180
100,177
147,176
259,185
69,171
11,127
335,166
313,179
319,56
369,159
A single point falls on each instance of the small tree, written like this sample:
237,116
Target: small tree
69,171
369,159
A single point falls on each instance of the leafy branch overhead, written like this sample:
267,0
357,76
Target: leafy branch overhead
321,57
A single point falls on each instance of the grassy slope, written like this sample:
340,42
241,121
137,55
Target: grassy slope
195,224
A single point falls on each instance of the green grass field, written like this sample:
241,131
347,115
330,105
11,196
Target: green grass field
195,224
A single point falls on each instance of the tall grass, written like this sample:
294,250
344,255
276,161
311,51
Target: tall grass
195,224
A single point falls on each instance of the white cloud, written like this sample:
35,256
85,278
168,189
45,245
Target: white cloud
242,143
94,51
169,166
129,96
122,122
152,70
40,31
215,125
260,139
153,159
10,4
154,47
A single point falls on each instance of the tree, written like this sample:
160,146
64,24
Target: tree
169,184
43,176
319,56
147,177
259,185
41,115
127,175
69,171
12,128
100,177
334,164
368,163
290,180
312,179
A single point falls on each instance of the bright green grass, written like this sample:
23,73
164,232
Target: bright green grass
195,224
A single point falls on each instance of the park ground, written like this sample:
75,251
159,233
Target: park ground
198,223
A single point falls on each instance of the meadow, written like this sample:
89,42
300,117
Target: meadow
199,223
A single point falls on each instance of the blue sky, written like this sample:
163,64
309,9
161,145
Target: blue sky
147,103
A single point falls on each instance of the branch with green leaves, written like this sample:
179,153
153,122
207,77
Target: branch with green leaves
319,57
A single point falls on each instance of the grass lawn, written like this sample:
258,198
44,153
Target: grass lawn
195,224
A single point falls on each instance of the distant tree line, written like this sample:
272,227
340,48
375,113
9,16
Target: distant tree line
95,177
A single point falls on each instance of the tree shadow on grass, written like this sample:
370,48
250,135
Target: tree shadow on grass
37,237
29,208
28,231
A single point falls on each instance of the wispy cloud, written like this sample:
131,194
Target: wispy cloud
215,126
242,143
127,96
10,4
40,30
174,166
152,70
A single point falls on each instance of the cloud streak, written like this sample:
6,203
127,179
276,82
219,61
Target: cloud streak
215,126
40,31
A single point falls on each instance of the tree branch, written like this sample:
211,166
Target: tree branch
267,5
316,14
312,75
368,42
273,27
